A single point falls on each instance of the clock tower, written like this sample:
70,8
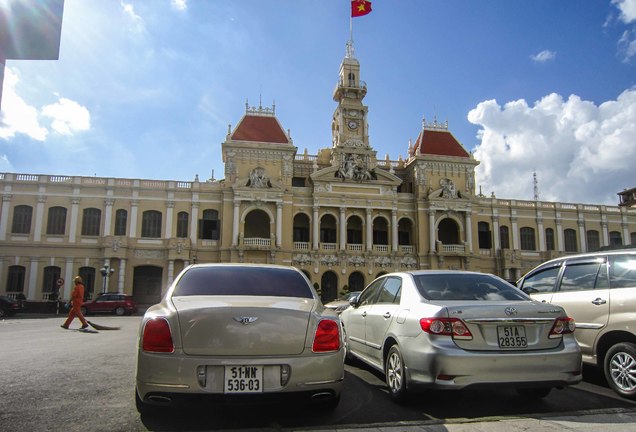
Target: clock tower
349,128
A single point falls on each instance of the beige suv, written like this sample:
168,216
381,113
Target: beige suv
598,290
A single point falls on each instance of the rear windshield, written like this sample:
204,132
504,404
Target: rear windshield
244,281
466,287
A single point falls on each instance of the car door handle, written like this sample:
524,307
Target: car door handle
387,315
364,314
599,301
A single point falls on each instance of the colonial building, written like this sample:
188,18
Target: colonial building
342,216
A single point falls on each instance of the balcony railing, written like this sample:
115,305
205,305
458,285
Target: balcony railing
451,248
301,245
407,249
328,246
381,248
354,247
257,242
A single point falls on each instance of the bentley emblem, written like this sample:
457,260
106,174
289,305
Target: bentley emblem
511,311
245,320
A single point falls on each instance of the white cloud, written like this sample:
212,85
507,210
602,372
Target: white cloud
18,117
179,4
627,45
5,165
543,56
67,116
581,152
628,10
136,21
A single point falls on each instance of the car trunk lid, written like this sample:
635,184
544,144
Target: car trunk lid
506,326
243,325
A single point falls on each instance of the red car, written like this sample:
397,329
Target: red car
119,304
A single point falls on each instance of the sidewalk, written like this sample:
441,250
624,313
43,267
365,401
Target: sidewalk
613,420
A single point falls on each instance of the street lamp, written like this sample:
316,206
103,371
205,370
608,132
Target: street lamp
106,271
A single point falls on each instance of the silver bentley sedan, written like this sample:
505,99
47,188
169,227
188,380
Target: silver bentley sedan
229,331
453,329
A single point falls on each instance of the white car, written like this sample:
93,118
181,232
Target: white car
343,302
452,330
239,330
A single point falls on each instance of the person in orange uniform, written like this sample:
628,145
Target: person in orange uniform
77,299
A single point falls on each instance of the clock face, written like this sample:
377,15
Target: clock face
352,124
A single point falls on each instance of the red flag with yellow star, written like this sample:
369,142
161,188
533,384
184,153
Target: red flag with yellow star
360,8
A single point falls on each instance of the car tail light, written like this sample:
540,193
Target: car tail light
446,327
327,336
157,336
562,326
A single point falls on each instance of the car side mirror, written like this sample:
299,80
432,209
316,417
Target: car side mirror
354,301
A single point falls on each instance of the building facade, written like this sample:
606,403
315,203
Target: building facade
342,216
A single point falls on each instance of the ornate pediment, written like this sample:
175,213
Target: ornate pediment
447,191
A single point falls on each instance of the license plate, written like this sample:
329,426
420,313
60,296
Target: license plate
512,337
243,379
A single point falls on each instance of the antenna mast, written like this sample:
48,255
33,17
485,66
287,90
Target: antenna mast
535,182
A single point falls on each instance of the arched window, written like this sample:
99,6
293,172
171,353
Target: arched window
209,225
88,277
328,229
405,229
504,237
301,228
569,236
91,221
182,224
528,239
615,238
380,231
49,284
354,230
151,224
15,279
22,215
121,219
483,231
56,223
549,239
593,240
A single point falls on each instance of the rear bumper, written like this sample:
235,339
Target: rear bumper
448,367
179,376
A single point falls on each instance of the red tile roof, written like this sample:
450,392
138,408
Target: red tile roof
441,143
260,129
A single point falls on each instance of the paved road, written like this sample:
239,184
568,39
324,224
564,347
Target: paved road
54,379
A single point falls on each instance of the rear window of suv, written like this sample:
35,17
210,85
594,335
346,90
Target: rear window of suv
623,271
243,281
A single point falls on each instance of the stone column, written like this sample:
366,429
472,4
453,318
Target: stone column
74,219
39,218
369,229
194,217
515,232
169,219
235,223
170,272
134,208
279,224
560,241
121,287
316,229
4,216
469,231
431,230
394,231
108,216
33,278
582,237
495,232
68,278
541,232
343,229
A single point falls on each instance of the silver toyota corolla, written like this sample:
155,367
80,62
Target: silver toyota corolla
239,330
452,329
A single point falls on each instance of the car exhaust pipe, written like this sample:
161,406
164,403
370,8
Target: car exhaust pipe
162,400
321,396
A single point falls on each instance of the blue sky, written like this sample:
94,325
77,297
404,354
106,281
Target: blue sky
147,88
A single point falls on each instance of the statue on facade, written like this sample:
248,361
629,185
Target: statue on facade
258,179
448,188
